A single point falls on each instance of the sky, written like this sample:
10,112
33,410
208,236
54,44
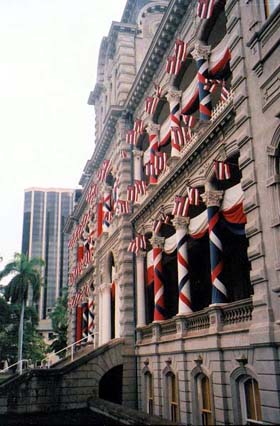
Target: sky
48,60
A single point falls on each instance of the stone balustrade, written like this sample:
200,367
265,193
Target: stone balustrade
215,318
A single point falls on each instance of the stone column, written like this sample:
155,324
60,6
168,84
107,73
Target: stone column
201,54
140,288
159,311
174,98
213,200
137,163
153,131
106,312
184,303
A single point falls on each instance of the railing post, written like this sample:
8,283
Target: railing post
72,352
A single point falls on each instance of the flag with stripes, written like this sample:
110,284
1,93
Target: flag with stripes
138,126
174,62
205,8
193,195
181,206
151,103
122,207
140,187
160,162
123,153
222,170
131,137
177,135
104,170
131,193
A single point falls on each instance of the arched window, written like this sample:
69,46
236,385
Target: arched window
172,397
204,400
250,401
149,393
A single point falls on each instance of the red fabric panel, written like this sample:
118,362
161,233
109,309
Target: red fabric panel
99,218
235,214
199,234
79,323
150,275
80,253
113,290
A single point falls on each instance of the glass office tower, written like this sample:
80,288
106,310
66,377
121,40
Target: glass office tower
45,213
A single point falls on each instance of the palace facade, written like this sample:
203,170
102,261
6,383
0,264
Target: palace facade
174,248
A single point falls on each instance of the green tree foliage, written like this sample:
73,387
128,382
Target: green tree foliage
59,319
25,278
34,348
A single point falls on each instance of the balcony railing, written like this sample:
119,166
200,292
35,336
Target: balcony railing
215,318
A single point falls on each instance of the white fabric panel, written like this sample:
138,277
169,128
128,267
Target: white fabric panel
164,129
170,244
146,156
232,196
189,92
199,223
217,53
150,261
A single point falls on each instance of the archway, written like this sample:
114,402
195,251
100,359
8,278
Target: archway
110,385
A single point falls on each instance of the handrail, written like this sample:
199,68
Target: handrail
47,359
12,365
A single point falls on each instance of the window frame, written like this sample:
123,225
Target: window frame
243,401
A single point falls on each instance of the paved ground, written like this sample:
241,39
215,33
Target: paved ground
63,418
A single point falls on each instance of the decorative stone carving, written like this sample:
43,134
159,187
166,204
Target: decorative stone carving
201,51
212,198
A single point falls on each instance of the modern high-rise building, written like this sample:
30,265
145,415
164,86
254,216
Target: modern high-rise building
45,212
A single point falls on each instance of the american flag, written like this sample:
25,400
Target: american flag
104,170
205,8
122,207
151,103
222,170
92,193
189,120
164,218
181,206
174,62
131,137
131,193
138,243
193,195
138,126
177,135
224,92
140,187
123,153
160,162
149,169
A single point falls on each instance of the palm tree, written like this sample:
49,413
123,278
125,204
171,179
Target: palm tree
26,275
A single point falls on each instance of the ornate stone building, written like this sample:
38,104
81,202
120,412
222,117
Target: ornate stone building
174,250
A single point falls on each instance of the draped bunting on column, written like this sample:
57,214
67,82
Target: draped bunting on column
79,320
201,55
85,320
153,130
159,310
184,305
107,210
173,98
219,292
90,319
99,217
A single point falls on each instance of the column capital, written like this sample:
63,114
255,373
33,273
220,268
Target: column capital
212,198
137,153
104,287
157,242
173,95
141,254
153,127
181,222
201,51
